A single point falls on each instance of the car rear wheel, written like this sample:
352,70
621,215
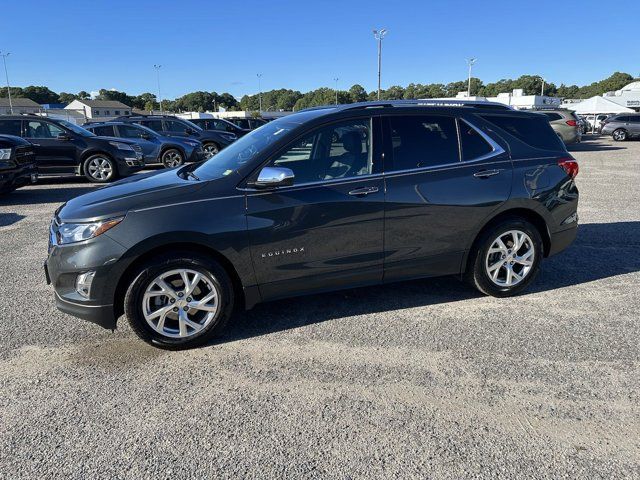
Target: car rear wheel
210,149
619,135
172,157
506,258
179,301
100,168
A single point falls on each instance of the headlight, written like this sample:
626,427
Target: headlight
5,153
122,146
77,232
192,144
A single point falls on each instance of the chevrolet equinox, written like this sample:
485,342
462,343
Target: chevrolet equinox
323,199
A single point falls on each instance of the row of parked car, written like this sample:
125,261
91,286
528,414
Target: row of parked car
32,145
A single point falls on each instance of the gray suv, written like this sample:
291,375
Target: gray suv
622,126
565,124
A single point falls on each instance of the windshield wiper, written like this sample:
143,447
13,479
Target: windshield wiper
189,173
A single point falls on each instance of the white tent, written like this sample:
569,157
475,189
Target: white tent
597,105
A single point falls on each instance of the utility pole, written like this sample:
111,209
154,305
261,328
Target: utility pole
542,91
379,35
157,67
259,75
470,62
336,89
4,58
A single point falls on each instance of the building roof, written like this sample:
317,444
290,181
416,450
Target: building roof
104,104
18,102
596,105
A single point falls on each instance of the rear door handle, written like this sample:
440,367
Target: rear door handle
486,173
358,192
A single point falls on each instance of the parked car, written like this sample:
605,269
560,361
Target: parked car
247,123
565,124
169,151
212,142
622,126
219,124
467,188
17,163
63,148
595,122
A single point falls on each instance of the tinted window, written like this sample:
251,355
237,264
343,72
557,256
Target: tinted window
10,127
341,150
534,131
104,131
423,141
130,131
37,129
152,124
173,126
553,116
634,119
621,119
473,145
220,125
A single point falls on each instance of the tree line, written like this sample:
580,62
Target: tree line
286,99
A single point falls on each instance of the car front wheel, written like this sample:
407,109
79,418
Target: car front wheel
210,149
506,258
100,168
620,135
179,301
172,158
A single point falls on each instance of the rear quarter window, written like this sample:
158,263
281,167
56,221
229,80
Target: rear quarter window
534,131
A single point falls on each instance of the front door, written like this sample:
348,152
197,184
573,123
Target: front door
443,178
54,147
325,231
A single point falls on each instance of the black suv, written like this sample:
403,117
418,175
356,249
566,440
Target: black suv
219,124
212,142
63,148
17,163
323,199
247,123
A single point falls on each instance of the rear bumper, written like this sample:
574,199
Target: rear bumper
562,239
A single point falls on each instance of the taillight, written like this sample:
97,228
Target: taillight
572,123
569,165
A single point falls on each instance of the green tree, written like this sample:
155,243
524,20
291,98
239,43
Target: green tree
115,95
65,97
357,93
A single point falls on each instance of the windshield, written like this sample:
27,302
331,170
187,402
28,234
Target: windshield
192,125
242,151
76,129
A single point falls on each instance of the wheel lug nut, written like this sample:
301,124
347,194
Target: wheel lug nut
181,294
188,299
173,300
175,309
186,309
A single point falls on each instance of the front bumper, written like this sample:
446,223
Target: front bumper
129,162
18,177
197,155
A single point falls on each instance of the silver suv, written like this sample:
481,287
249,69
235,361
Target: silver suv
622,126
565,124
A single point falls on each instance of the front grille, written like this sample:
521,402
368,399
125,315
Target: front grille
24,154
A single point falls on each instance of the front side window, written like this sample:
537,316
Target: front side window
220,125
10,127
423,141
155,125
341,150
472,143
178,127
37,129
130,131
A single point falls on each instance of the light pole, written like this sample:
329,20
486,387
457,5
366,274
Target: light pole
336,89
259,75
470,62
157,67
542,90
379,35
4,59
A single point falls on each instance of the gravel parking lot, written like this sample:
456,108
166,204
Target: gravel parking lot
418,379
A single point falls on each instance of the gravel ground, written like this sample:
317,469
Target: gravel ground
418,379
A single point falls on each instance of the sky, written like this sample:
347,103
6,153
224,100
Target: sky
222,45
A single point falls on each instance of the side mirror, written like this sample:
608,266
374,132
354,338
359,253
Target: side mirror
145,136
63,137
273,177
189,131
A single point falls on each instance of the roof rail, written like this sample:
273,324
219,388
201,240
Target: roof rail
430,102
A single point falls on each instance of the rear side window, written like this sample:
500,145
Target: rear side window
104,131
472,143
553,116
534,131
153,124
634,119
10,127
423,141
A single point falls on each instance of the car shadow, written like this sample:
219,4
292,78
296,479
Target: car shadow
592,146
62,189
601,250
7,219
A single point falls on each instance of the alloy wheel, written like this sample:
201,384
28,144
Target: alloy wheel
172,158
510,258
619,135
210,149
180,303
100,168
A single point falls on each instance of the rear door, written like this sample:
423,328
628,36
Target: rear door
634,125
54,154
443,178
325,231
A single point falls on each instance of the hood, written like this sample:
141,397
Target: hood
137,191
12,141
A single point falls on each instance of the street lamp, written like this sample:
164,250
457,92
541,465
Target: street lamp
542,90
336,89
157,67
470,62
259,75
379,35
4,59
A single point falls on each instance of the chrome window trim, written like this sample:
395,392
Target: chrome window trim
497,149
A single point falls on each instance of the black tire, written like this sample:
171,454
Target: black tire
93,174
172,158
619,135
211,149
477,266
210,269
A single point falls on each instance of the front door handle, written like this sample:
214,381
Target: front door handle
359,192
486,173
